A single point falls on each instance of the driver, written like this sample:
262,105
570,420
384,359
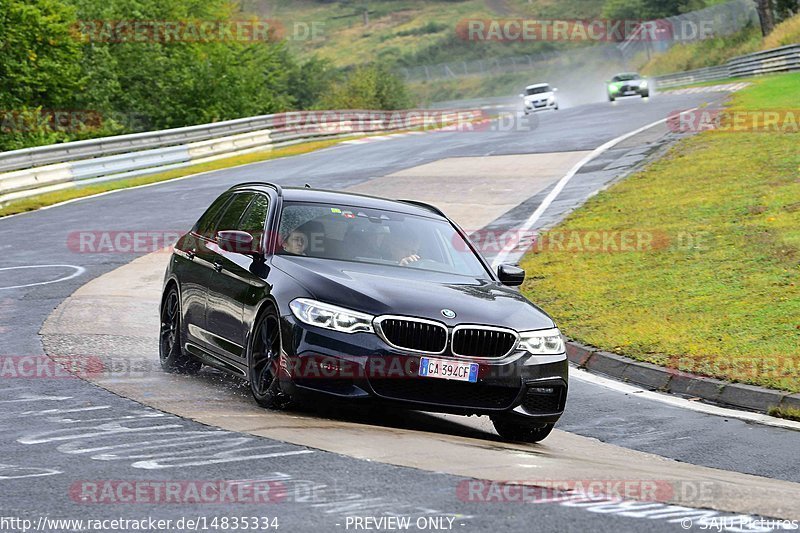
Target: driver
295,243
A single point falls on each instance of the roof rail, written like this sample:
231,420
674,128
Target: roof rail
262,183
425,206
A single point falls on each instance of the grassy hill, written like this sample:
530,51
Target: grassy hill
407,32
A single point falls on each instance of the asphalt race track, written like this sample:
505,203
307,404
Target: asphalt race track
63,435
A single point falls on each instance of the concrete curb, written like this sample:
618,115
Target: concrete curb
658,378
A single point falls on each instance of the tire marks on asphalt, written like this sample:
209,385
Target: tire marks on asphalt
144,438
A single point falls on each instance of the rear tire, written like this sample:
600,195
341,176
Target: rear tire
513,429
174,358
263,362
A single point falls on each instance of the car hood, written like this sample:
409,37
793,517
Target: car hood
380,290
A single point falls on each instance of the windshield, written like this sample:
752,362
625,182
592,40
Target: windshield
537,90
625,77
349,233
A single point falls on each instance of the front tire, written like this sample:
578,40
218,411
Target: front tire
512,429
263,362
174,358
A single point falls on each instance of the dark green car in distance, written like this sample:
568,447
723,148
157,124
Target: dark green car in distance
627,84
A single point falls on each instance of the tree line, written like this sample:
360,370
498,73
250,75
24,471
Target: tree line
75,69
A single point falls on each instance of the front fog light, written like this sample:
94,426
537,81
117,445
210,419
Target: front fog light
542,342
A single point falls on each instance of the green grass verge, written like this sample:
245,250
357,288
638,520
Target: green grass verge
770,92
778,90
718,293
724,81
788,413
43,200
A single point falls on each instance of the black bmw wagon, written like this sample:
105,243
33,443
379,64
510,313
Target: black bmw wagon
302,291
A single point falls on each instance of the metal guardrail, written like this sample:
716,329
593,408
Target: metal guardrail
61,153
783,59
31,171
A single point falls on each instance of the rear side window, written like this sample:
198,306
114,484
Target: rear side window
233,212
205,226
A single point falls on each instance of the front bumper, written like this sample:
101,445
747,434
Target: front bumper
534,105
629,90
361,366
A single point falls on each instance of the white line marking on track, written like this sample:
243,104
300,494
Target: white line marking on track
19,472
78,271
537,214
683,403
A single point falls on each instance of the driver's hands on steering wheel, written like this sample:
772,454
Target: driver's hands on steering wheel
410,259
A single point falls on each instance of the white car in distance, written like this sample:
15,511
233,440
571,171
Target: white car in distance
539,97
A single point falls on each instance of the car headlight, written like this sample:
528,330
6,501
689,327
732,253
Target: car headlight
551,99
613,88
643,85
542,342
329,316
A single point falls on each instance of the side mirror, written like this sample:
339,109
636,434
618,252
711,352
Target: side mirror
522,96
239,242
510,275
555,90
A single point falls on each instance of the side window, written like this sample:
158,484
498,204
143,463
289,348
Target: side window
205,226
255,217
233,212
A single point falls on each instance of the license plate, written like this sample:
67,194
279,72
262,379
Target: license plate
444,369
630,93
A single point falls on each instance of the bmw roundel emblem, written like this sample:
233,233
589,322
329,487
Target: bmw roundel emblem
448,313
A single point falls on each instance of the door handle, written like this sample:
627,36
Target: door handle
218,267
191,255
